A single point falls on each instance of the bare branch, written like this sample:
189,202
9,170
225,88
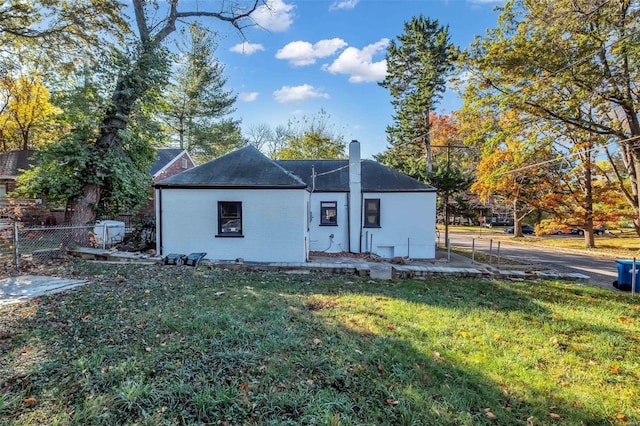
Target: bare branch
233,17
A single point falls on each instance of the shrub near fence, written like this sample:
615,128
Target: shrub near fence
46,242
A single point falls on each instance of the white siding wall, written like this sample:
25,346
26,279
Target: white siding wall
320,235
274,224
407,221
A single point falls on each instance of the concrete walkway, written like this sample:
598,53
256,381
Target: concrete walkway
24,287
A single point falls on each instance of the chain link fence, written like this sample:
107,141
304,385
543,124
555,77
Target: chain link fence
38,244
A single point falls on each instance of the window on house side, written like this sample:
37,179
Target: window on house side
185,163
328,213
372,213
229,218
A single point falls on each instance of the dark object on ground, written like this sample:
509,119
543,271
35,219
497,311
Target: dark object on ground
174,259
194,259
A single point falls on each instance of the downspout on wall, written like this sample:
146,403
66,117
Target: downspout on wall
355,197
159,221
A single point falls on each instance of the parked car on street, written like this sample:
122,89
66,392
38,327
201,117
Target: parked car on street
600,230
576,231
526,229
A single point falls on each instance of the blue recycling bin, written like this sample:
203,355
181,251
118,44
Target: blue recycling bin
625,275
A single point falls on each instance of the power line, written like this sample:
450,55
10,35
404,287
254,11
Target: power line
566,157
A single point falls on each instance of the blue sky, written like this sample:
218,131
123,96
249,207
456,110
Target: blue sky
309,55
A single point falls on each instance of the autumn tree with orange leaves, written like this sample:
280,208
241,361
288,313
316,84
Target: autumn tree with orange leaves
509,168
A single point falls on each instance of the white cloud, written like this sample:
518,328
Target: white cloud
246,48
248,96
344,4
359,65
275,15
289,94
300,53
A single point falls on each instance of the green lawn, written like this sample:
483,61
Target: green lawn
166,345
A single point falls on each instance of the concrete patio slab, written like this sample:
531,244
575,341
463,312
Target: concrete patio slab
24,287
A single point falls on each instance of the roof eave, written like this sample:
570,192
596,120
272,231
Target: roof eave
213,186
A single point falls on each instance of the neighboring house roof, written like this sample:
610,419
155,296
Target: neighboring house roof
244,168
333,176
13,161
166,156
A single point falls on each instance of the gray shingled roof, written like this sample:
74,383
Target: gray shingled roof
244,168
13,161
333,176
164,157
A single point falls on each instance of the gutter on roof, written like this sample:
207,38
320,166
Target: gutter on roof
401,190
210,186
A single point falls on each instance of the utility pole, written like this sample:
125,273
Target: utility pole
427,141
446,194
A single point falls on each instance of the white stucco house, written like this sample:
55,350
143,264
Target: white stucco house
245,205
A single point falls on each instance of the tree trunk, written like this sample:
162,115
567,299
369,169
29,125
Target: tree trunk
589,240
635,185
517,230
129,88
84,206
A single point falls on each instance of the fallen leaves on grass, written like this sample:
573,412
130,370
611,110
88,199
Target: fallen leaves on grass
392,402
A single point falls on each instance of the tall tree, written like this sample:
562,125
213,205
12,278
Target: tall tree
26,118
63,31
111,153
269,141
569,62
445,138
310,137
197,102
509,169
59,175
452,173
311,145
259,135
418,64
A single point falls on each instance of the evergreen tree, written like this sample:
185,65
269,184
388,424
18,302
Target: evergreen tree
197,102
418,63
